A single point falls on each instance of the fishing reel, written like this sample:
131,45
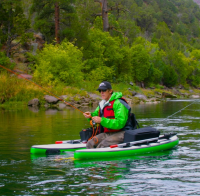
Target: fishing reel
93,124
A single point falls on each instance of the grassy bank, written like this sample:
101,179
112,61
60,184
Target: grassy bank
13,89
16,92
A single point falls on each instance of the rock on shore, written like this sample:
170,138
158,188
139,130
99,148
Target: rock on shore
92,100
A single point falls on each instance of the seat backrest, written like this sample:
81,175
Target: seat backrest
134,122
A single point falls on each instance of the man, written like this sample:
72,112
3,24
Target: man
113,116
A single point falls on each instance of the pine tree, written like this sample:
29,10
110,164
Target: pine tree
13,24
54,18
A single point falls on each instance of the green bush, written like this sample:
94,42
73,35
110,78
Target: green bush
140,60
59,63
5,61
170,77
15,89
102,54
100,74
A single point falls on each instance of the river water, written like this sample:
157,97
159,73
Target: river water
173,172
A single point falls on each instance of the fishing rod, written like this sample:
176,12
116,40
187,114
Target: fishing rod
178,111
9,70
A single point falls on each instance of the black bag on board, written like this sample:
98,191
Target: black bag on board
140,134
134,122
85,134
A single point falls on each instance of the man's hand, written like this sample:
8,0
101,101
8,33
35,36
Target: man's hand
87,115
96,119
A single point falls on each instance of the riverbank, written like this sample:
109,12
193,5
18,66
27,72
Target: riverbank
142,96
16,91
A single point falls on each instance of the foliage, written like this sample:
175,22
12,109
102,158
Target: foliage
59,63
5,61
140,63
152,42
15,89
140,60
103,56
101,74
179,63
45,18
124,69
32,59
194,68
170,77
122,86
14,25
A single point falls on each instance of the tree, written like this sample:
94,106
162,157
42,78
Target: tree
140,60
194,68
104,14
162,30
103,52
157,65
145,18
54,18
61,63
104,10
57,20
13,24
179,63
169,76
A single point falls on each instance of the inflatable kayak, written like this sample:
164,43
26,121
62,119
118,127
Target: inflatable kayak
152,145
59,147
161,143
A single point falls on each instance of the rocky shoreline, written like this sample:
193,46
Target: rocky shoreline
92,99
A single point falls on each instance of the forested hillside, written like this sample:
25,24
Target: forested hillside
148,42
197,1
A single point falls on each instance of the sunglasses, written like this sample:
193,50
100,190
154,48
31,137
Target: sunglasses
102,90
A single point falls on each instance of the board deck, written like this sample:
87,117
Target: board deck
160,145
56,148
125,149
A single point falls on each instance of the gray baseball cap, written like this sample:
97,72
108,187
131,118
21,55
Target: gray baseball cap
104,86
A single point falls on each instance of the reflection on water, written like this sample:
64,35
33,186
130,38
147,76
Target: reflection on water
173,172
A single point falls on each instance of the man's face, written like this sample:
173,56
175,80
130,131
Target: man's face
105,94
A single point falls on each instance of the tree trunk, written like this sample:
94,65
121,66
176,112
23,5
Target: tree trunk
104,9
9,41
57,23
